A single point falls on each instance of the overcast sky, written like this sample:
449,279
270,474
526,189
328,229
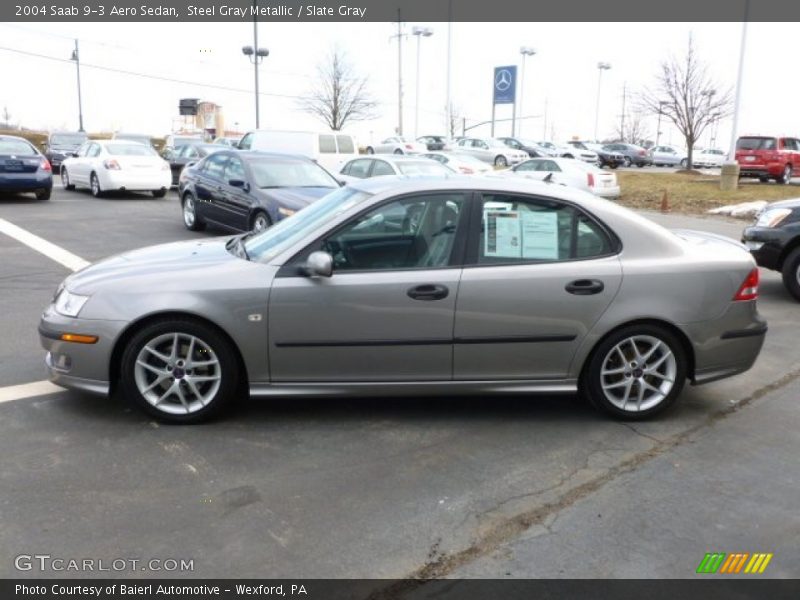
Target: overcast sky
562,75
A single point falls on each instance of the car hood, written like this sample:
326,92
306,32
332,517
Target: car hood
296,198
174,260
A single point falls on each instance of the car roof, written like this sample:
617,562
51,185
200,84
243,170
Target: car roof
15,137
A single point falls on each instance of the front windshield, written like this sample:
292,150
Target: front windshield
266,245
130,150
67,139
289,172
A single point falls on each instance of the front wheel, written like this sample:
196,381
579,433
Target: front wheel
180,371
65,179
43,194
94,182
684,163
786,177
398,151
500,161
791,273
159,193
190,217
636,372
628,162
370,150
260,221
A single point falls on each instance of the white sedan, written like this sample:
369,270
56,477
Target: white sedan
708,157
397,145
568,172
461,163
116,165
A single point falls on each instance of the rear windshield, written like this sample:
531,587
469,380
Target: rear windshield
422,167
17,147
71,139
130,150
756,143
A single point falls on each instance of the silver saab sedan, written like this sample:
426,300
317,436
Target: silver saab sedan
409,287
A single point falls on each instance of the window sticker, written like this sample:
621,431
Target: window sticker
521,234
502,234
540,235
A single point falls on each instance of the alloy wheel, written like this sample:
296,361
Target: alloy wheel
177,373
638,373
189,216
260,222
64,178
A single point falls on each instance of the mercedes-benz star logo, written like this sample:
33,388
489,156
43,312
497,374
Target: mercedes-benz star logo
502,81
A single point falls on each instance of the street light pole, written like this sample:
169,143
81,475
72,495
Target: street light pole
601,66
77,58
526,51
419,32
738,95
448,112
658,126
256,56
399,74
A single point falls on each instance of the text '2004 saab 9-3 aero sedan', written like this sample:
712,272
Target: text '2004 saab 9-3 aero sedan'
404,287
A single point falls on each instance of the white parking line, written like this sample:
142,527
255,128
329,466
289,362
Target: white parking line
28,390
50,250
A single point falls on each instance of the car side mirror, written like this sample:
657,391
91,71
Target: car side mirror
319,264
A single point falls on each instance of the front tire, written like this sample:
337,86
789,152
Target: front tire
43,194
370,150
398,151
191,219
260,221
684,163
159,193
94,184
791,273
500,161
636,372
180,371
65,180
786,177
628,162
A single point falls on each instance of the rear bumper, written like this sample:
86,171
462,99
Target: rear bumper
25,182
607,192
148,181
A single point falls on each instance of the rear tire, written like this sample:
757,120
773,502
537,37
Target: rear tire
159,193
94,183
763,179
636,372
398,151
43,194
791,273
191,219
500,161
786,177
684,163
370,150
190,381
260,221
65,180
628,162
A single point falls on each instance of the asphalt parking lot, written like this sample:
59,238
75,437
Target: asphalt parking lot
376,487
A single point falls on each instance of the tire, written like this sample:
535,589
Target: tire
500,161
191,219
162,383
65,180
370,150
44,194
568,155
94,183
786,176
791,273
159,193
614,165
763,179
621,399
628,162
260,221
641,165
398,151
684,163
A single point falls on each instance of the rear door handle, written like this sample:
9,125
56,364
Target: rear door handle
585,287
428,292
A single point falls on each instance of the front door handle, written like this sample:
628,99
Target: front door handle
428,292
585,287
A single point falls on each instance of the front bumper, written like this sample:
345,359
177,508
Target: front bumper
766,245
84,367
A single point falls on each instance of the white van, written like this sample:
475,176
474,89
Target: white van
329,149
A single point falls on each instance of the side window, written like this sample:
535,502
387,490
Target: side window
549,165
215,166
382,168
83,149
94,150
528,165
327,144
234,170
788,144
519,230
345,143
359,168
246,142
410,233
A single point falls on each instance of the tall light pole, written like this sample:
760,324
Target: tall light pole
738,94
420,32
601,66
448,109
525,51
256,56
77,58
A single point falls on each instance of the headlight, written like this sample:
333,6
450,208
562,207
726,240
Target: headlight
69,304
286,212
772,217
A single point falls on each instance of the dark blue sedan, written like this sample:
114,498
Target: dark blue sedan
23,168
246,191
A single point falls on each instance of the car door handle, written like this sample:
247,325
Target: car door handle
585,287
428,292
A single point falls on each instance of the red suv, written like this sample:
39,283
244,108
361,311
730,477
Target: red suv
768,158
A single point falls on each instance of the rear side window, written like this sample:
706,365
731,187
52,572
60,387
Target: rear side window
520,230
345,143
756,143
359,168
788,144
381,168
327,144
215,166
246,142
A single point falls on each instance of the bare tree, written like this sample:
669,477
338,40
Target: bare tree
635,129
686,94
6,118
340,95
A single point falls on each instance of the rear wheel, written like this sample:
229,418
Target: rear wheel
398,151
684,163
370,150
628,162
260,221
159,193
791,273
786,176
500,161
636,372
43,194
180,371
94,183
763,179
190,217
65,179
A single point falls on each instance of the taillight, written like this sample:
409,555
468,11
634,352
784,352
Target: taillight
409,147
642,152
590,179
45,165
466,170
111,165
749,288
